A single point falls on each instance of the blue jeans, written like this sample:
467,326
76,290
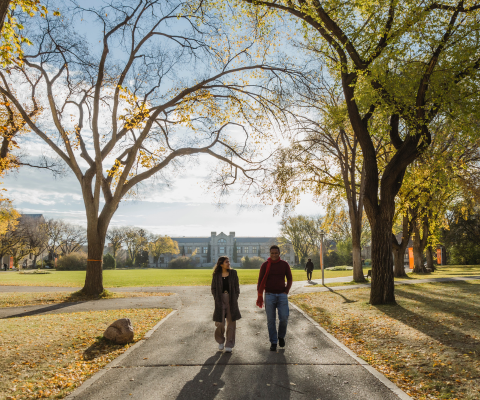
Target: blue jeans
275,302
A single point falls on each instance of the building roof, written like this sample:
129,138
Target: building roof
255,239
191,239
31,215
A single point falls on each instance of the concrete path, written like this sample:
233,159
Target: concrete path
180,360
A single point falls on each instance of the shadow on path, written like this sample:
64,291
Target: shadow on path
207,383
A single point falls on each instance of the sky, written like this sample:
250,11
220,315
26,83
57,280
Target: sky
184,209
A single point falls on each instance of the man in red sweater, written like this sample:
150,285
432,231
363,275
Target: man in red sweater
272,279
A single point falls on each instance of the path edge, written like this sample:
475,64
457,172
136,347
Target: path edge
114,363
382,378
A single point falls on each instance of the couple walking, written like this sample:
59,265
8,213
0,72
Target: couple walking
226,290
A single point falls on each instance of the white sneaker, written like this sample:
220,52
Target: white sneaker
228,349
220,346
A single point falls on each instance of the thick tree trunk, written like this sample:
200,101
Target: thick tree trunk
94,277
398,259
382,290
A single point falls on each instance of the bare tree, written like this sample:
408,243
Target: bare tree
73,238
175,86
117,237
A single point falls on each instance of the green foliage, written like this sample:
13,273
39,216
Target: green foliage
181,263
72,262
108,261
462,239
252,263
344,251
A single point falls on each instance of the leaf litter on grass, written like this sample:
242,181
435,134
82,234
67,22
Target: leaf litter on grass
48,356
428,344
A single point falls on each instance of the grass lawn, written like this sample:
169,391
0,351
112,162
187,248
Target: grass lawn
19,299
187,277
63,352
428,344
145,277
446,271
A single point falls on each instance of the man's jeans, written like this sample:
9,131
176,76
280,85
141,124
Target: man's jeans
272,303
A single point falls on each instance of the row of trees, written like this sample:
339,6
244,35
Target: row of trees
379,96
31,235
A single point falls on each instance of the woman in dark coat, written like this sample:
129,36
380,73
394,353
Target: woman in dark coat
225,291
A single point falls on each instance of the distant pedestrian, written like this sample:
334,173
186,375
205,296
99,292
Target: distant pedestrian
309,269
272,280
225,291
5,266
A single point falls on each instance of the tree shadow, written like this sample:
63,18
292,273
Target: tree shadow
449,336
346,300
43,310
100,348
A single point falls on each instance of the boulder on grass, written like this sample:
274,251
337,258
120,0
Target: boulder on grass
120,332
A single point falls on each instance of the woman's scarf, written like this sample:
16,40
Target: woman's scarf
264,282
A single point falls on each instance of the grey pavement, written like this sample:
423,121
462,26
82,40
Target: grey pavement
180,360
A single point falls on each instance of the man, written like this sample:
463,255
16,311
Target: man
309,269
272,280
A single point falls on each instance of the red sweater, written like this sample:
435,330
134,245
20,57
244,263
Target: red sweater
276,277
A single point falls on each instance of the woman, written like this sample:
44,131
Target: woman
225,291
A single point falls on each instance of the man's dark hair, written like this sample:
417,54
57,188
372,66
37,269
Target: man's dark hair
275,247
309,259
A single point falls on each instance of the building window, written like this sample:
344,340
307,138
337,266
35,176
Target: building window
162,260
254,249
205,250
189,250
222,241
222,250
197,250
245,250
239,249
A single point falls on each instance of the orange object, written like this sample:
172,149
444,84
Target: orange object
11,262
439,256
410,257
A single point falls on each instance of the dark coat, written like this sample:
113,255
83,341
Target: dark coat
309,266
234,292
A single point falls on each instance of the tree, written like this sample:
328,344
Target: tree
323,158
35,235
116,236
162,245
136,240
235,253
402,64
302,233
8,217
73,238
209,253
173,88
54,230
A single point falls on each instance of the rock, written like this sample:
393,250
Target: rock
120,332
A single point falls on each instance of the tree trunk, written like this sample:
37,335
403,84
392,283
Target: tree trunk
417,251
4,4
382,289
358,275
430,258
398,262
94,278
35,261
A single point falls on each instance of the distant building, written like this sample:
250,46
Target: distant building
220,245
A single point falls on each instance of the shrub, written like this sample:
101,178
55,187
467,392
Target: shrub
72,262
368,261
252,263
108,261
182,262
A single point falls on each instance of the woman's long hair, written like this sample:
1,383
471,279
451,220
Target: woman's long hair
218,267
